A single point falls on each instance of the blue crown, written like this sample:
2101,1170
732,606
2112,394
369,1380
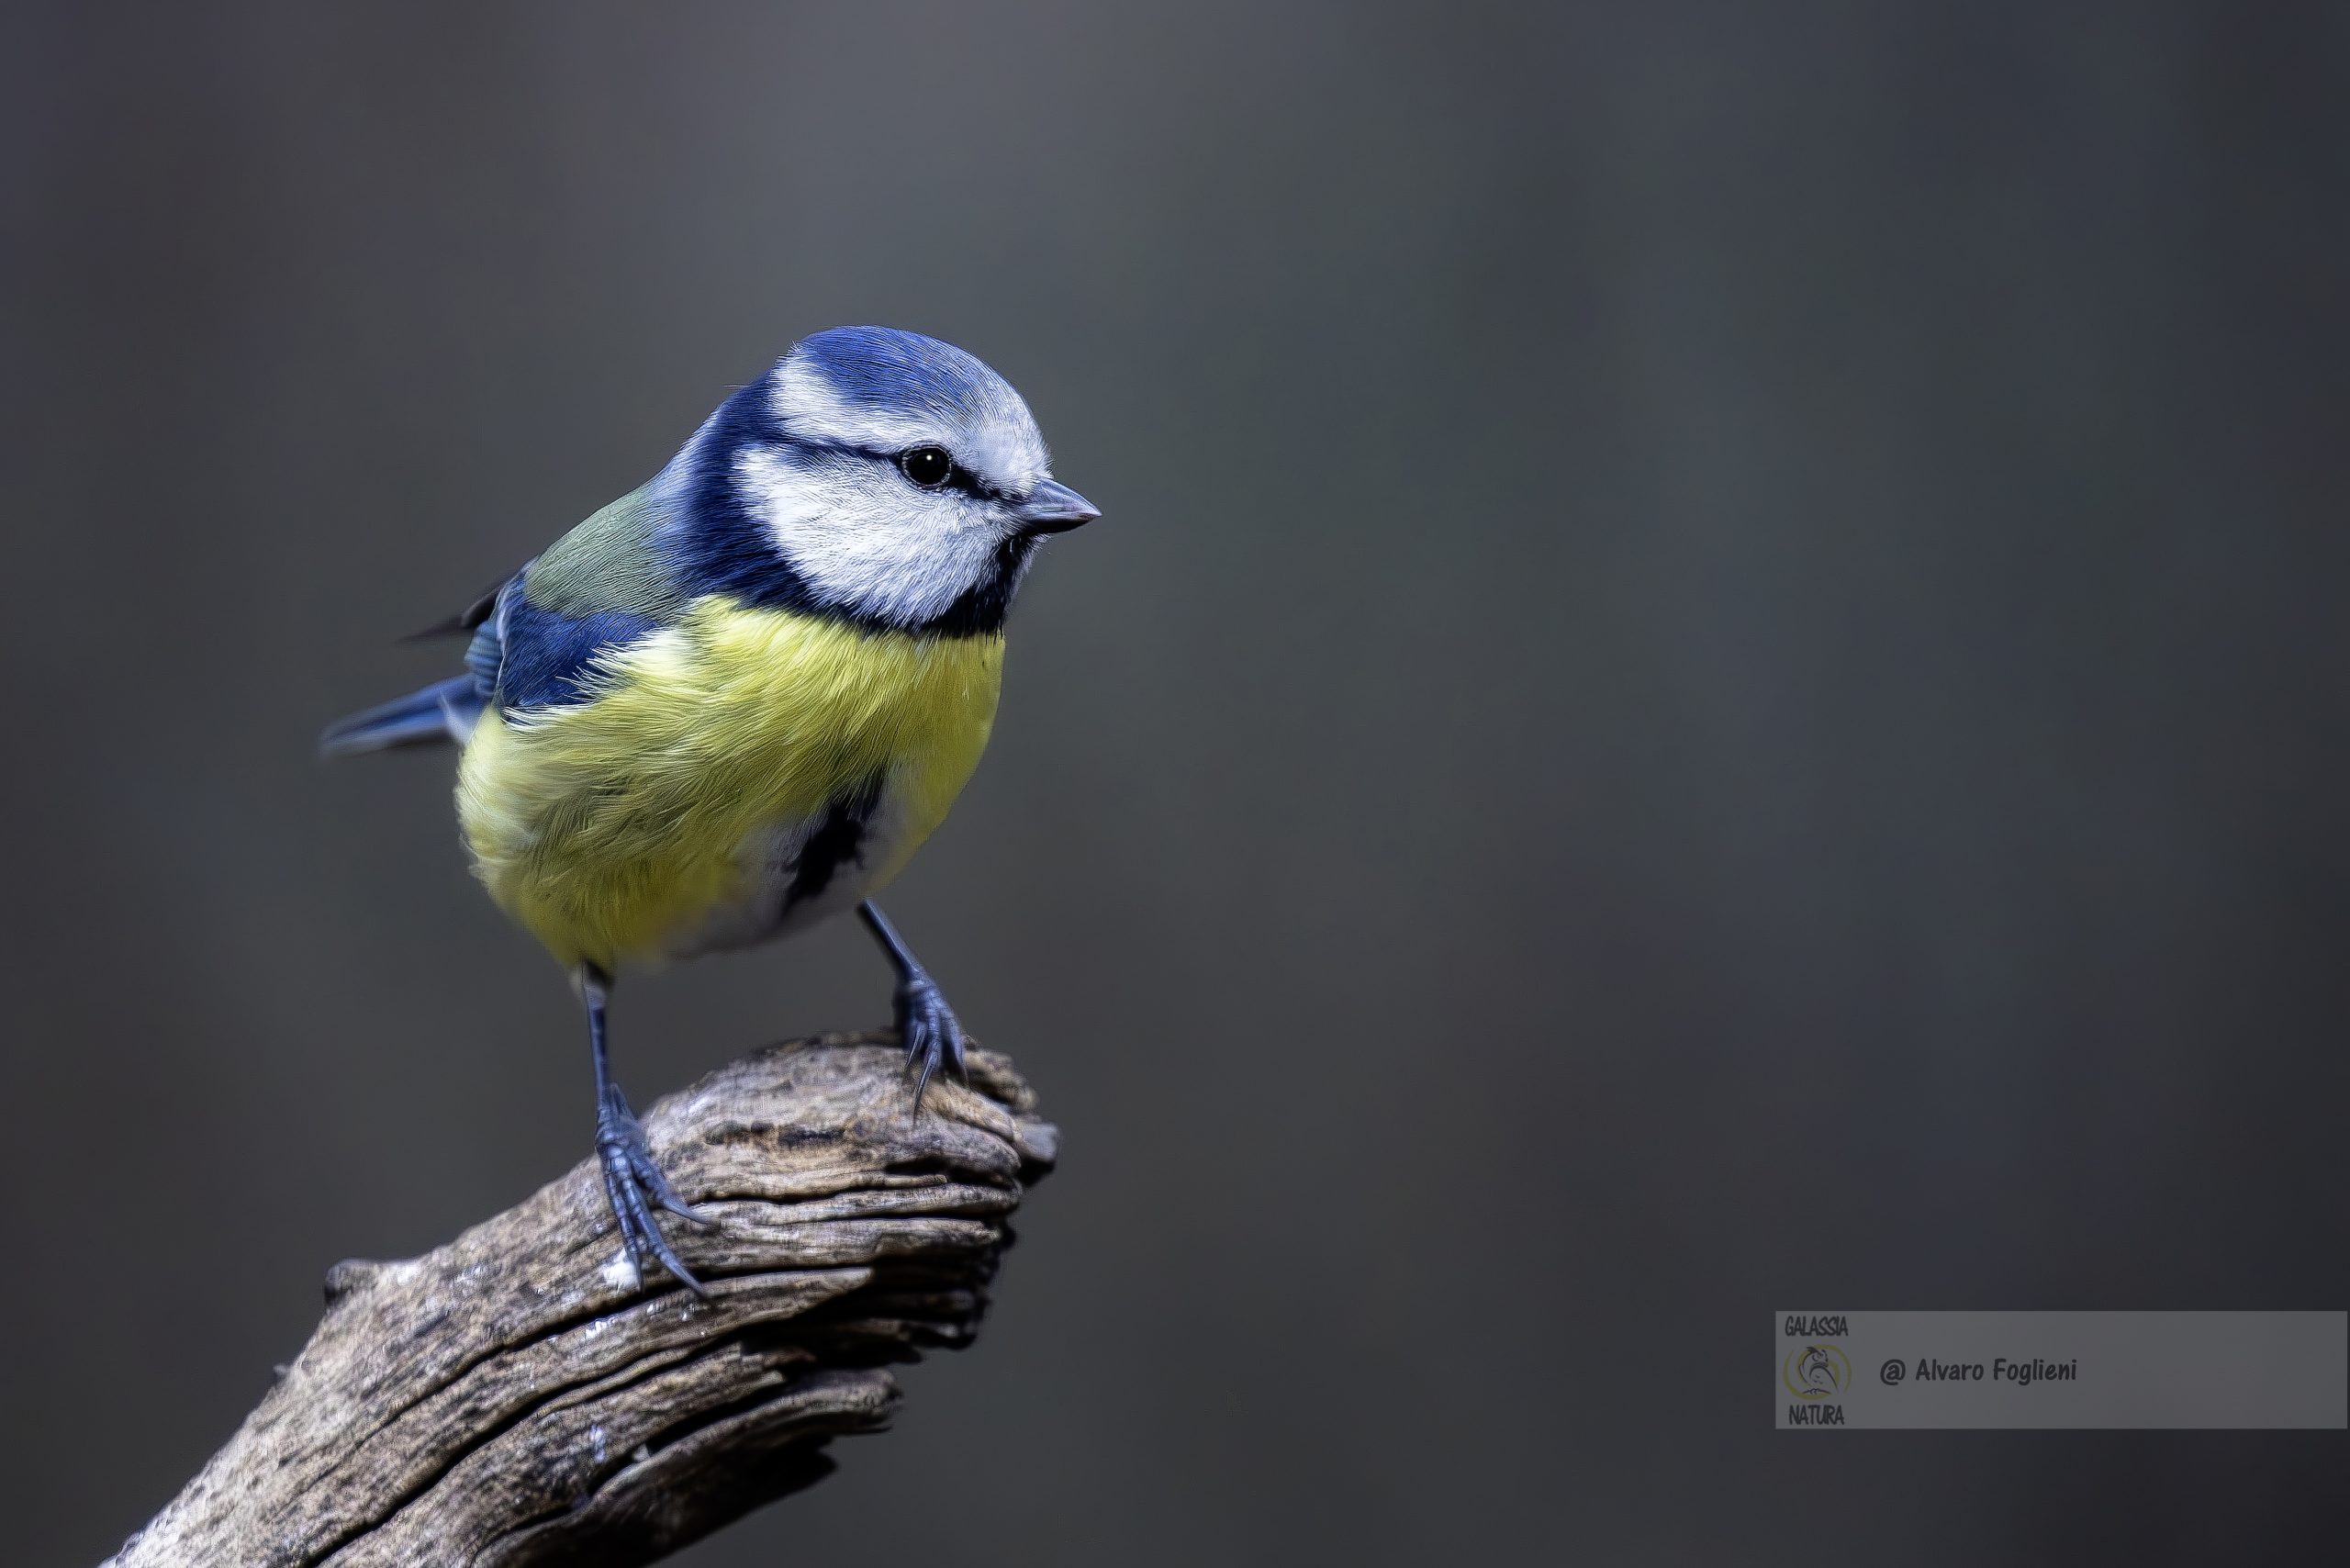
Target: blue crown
885,369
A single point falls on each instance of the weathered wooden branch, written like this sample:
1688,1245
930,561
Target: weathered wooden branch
514,1398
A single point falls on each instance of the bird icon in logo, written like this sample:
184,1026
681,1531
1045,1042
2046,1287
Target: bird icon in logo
1816,1371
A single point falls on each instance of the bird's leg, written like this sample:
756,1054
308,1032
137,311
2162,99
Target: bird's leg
633,1183
926,1025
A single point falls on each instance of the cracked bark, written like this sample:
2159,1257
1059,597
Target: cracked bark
514,1398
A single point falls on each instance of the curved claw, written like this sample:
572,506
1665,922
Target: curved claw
650,1180
933,1035
631,1177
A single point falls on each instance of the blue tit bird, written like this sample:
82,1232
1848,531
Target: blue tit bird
734,701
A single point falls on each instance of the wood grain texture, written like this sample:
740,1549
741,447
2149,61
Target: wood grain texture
516,1399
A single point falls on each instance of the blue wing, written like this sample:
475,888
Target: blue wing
534,657
523,656
537,636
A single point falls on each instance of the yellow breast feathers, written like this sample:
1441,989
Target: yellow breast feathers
607,826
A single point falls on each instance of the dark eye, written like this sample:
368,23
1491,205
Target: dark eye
928,466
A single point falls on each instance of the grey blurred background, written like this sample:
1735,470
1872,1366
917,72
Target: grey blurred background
1714,680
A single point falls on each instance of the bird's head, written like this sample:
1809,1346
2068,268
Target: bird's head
884,475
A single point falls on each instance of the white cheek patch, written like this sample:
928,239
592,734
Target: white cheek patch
857,536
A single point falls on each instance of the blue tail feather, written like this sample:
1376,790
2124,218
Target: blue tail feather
444,711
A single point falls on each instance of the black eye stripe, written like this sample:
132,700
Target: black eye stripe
958,478
934,468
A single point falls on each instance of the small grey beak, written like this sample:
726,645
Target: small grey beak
1054,507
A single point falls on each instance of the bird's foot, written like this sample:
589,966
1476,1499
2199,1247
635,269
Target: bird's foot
633,1185
930,1031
